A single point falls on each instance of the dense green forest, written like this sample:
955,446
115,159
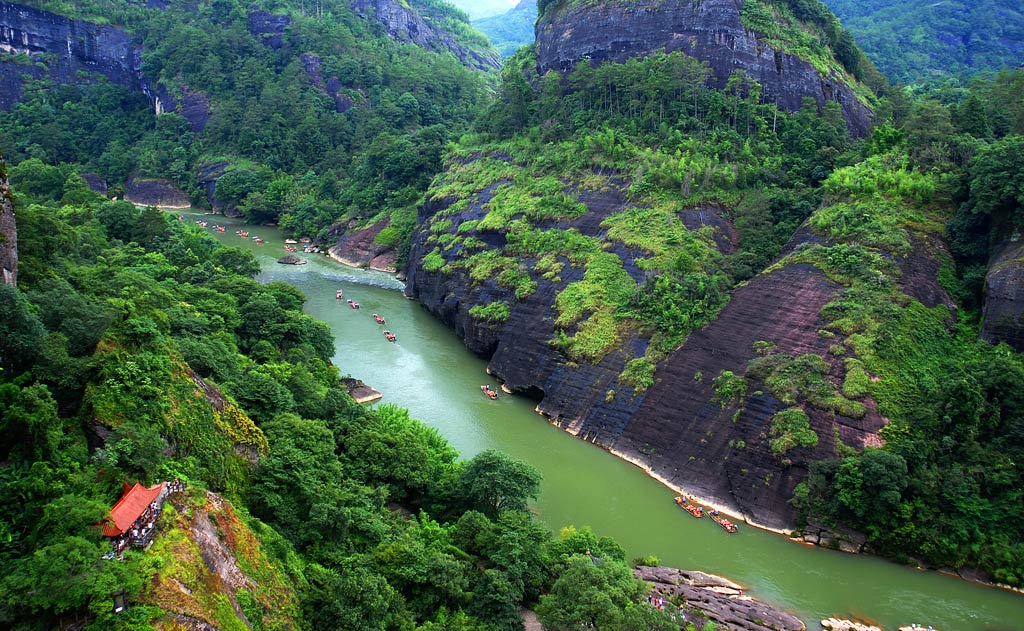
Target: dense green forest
290,155
371,520
930,42
364,518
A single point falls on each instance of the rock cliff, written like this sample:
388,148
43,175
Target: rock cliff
45,45
709,598
8,232
1003,317
213,572
403,23
710,30
729,451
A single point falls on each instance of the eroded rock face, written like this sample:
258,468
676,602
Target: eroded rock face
74,51
709,30
713,598
193,106
359,248
154,192
1004,295
8,232
404,24
268,28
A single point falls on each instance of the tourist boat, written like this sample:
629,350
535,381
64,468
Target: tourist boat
688,505
291,248
492,394
378,319
338,294
290,241
353,304
723,522
390,336
243,233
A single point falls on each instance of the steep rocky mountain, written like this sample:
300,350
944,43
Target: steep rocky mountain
405,23
730,36
39,45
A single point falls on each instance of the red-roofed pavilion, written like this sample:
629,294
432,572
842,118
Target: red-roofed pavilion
134,505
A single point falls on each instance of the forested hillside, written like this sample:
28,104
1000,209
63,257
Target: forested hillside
136,347
920,41
302,114
764,274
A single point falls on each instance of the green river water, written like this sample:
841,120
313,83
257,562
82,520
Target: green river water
432,374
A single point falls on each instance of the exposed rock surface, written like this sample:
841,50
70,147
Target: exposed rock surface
268,28
1004,294
8,232
95,182
839,624
332,86
291,259
359,391
71,50
358,248
402,23
207,176
191,105
709,30
155,192
712,598
676,430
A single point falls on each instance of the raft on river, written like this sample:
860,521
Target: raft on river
491,394
689,506
723,522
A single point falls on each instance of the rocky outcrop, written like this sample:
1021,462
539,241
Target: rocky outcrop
291,259
8,232
95,182
191,105
332,86
207,176
69,51
209,553
268,28
359,247
359,391
710,598
155,192
709,30
402,23
1003,315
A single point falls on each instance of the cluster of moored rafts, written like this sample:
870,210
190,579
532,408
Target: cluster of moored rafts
695,509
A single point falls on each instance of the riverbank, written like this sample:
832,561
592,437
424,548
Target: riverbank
591,487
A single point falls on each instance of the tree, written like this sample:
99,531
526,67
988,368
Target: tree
20,330
596,594
493,482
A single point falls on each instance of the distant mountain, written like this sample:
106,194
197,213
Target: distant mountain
477,9
510,30
921,40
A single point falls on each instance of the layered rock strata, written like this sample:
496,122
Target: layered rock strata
71,51
710,598
710,30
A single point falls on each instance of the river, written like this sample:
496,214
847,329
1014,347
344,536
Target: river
431,373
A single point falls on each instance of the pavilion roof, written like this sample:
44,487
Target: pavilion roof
130,507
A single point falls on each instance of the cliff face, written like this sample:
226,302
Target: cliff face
8,232
1003,316
404,24
710,30
71,51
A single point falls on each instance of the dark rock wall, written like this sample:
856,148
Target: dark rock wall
155,192
8,232
710,30
71,48
404,24
1003,315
